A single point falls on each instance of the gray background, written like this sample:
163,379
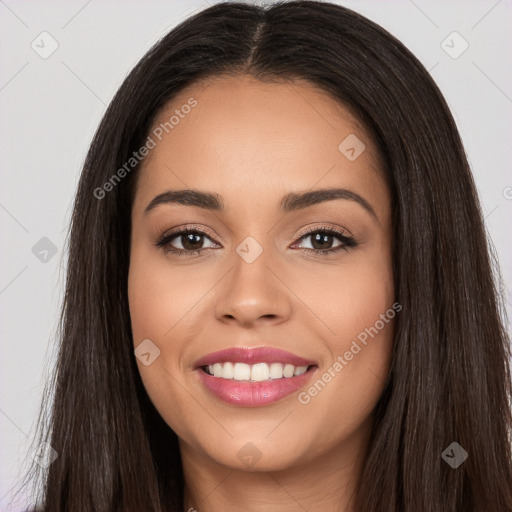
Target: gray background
51,107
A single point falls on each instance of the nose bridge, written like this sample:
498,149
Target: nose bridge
251,290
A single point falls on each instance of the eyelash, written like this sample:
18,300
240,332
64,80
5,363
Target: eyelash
346,241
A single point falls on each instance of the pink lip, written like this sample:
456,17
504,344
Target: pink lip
253,394
254,355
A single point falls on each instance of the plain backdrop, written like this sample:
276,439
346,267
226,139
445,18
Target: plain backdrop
51,105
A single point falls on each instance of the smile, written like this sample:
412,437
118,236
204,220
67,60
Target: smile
252,377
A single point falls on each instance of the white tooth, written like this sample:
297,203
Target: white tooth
288,370
260,371
276,371
257,372
217,370
299,370
241,371
227,371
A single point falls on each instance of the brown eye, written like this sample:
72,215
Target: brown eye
185,242
323,241
191,241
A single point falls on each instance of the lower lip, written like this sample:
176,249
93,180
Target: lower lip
253,394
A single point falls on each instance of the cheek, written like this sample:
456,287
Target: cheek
160,298
166,305
355,316
347,297
159,302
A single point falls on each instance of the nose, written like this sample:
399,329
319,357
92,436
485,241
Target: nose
252,294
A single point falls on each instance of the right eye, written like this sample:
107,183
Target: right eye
189,241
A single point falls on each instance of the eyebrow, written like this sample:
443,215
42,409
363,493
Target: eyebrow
290,202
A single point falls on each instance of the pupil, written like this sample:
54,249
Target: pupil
190,240
322,239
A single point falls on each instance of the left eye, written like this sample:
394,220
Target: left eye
323,240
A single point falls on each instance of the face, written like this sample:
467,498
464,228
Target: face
267,264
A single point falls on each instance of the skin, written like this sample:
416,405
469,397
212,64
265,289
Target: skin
252,143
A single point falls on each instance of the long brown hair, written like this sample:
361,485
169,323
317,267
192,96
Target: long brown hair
450,375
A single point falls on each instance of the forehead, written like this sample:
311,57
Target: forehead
249,141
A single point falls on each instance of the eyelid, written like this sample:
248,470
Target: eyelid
325,227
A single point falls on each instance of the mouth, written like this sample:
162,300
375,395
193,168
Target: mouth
252,377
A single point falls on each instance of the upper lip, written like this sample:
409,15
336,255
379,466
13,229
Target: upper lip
253,355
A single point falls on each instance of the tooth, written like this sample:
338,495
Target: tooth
257,372
260,371
241,371
288,370
276,371
299,370
227,371
217,370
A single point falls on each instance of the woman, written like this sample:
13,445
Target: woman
279,294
